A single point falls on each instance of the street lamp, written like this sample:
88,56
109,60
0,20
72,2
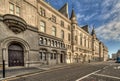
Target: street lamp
3,61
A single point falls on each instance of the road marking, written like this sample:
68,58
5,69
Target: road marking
87,75
107,76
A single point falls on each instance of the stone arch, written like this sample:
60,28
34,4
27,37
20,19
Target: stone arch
8,41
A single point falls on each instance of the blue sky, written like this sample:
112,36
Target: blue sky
104,15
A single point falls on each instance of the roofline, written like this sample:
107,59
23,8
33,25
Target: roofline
54,10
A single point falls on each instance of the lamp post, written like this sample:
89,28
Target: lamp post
3,61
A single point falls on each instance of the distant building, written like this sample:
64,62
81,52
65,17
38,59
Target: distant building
118,53
33,33
114,56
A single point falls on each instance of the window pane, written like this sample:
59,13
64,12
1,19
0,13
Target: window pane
41,41
42,26
62,34
11,8
53,31
17,11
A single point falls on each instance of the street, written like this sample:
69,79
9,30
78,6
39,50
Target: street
77,72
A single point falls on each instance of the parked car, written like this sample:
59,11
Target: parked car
118,60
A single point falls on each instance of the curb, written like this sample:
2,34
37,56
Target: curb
34,73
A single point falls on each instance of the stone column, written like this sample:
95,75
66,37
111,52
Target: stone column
58,57
65,57
5,56
27,58
48,57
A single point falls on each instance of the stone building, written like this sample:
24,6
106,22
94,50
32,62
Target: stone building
32,33
118,53
114,56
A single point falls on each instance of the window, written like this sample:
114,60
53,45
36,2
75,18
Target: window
61,45
53,19
41,40
62,34
43,54
55,44
69,27
81,39
58,44
17,11
52,43
54,31
51,56
45,41
42,11
14,9
85,41
69,37
62,23
49,42
11,8
88,42
42,26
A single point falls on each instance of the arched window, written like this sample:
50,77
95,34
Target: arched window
61,45
58,44
45,41
55,44
49,42
52,43
41,41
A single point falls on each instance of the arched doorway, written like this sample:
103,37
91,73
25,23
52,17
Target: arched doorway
15,55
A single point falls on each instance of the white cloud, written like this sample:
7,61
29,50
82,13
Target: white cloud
110,31
80,16
89,16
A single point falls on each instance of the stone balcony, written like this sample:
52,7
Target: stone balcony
15,23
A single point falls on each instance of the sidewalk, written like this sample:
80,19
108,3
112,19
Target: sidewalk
14,72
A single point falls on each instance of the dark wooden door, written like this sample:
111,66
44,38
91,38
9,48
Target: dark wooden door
61,58
15,55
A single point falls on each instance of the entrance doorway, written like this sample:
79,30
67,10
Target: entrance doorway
15,55
61,58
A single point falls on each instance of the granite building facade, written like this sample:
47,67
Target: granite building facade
32,33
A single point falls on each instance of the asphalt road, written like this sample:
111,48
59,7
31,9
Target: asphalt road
108,73
70,73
